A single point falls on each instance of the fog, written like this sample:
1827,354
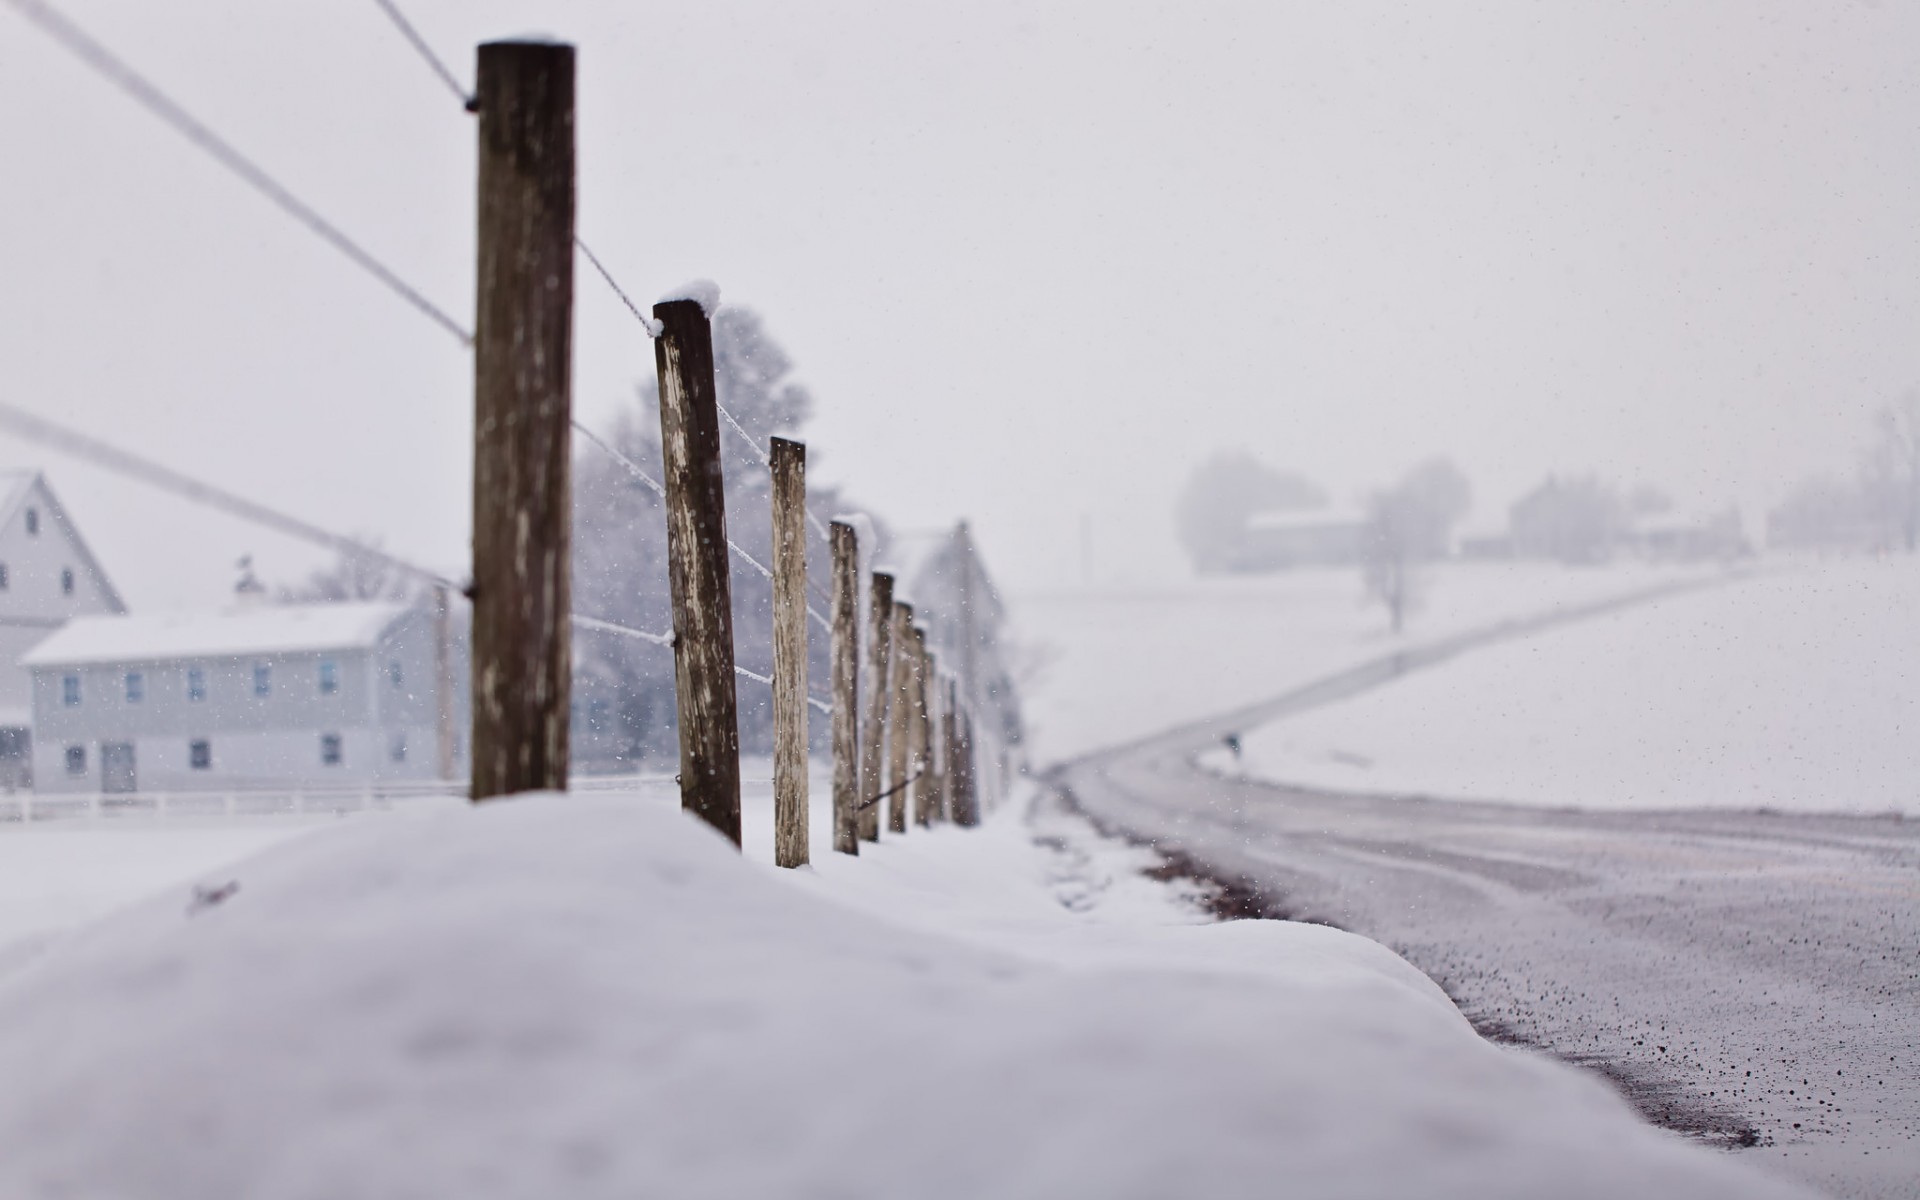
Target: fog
1034,264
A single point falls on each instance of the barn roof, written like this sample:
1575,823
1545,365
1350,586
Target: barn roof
239,632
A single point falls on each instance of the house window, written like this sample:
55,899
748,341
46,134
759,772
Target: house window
262,679
136,687
200,754
397,746
393,668
196,684
70,690
33,522
329,749
329,678
66,581
76,760
3,577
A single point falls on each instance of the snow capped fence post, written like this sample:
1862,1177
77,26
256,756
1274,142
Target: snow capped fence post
845,680
523,408
873,738
788,465
900,721
697,568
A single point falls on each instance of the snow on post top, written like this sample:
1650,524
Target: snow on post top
704,292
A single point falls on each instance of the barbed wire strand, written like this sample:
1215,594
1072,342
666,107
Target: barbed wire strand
647,323
426,53
595,623
640,473
633,468
106,64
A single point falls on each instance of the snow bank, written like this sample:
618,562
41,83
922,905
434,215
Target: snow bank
1790,691
594,996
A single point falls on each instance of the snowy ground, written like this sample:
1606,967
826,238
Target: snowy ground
1124,664
1792,690
592,996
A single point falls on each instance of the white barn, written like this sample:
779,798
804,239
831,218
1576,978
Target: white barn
254,696
47,575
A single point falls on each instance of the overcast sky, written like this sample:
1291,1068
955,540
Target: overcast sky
1035,260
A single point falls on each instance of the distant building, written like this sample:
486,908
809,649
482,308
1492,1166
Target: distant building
1278,541
257,695
47,575
1687,537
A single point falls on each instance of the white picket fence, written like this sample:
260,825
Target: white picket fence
24,808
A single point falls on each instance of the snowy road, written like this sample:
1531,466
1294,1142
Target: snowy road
1750,977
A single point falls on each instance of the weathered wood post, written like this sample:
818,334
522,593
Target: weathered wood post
844,545
928,811
703,685
949,751
966,811
873,739
922,743
523,408
443,681
788,465
900,719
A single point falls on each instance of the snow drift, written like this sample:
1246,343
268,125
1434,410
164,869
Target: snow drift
596,997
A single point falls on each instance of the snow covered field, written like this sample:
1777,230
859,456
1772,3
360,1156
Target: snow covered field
1124,664
593,996
1795,690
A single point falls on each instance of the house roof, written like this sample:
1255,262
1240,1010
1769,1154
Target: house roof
16,485
239,632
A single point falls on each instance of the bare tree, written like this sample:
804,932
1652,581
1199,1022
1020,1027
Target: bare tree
1890,479
1391,562
355,577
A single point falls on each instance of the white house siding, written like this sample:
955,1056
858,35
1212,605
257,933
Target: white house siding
38,547
271,741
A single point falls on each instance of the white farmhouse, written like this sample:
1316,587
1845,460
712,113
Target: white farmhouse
254,696
47,575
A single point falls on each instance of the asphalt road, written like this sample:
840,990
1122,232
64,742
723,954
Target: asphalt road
1749,979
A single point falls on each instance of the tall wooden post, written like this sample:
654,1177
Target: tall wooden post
697,567
788,465
900,719
523,408
873,739
845,672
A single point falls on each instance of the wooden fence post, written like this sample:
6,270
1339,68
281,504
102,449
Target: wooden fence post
900,721
922,743
788,465
966,810
697,568
950,750
845,672
443,681
873,739
523,406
